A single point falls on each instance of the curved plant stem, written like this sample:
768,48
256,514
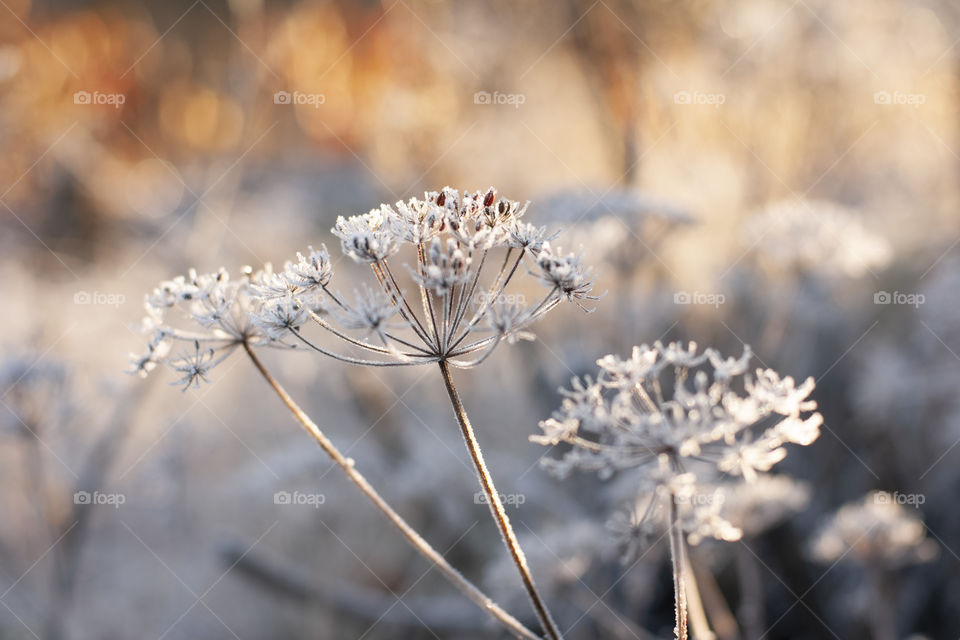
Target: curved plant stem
679,573
414,538
496,507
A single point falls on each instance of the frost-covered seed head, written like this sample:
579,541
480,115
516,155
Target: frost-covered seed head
463,251
676,416
874,530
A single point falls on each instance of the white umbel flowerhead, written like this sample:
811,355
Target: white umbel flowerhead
565,273
465,255
817,237
194,366
370,237
211,315
875,530
677,418
278,317
372,312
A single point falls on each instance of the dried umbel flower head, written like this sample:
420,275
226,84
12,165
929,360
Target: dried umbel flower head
208,316
757,506
463,253
876,530
819,237
682,419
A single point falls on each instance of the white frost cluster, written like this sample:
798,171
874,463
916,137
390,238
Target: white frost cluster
207,314
755,507
817,236
875,530
467,249
683,418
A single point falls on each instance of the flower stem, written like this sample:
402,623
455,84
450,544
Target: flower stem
677,554
414,538
496,507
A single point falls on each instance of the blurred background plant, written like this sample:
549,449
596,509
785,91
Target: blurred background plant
771,172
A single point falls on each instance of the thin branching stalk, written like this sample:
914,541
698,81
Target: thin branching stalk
679,574
414,538
496,507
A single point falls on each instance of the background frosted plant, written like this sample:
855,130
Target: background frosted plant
754,508
466,257
818,236
680,418
615,221
49,406
881,536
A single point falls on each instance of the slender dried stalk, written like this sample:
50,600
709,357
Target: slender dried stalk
414,538
882,617
496,507
751,609
679,574
697,614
